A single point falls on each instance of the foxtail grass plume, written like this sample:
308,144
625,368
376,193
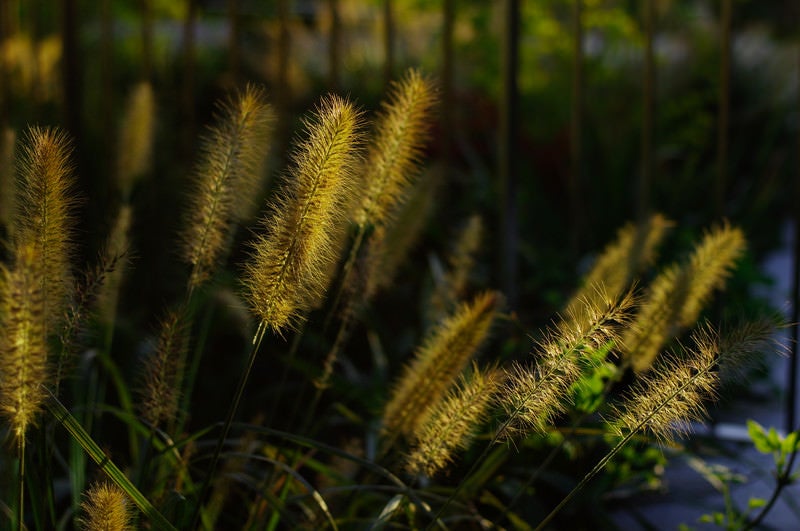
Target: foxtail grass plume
136,137
7,139
389,245
633,250
445,352
291,261
453,422
45,214
116,251
23,343
226,180
159,392
666,400
677,295
534,395
392,162
461,262
105,507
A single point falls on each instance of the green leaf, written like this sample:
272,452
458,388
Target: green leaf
116,475
759,437
756,503
791,443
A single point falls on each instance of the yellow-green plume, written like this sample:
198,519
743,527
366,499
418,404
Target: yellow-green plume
677,295
453,283
136,137
443,355
23,343
160,392
291,261
392,162
622,260
453,422
534,395
389,245
665,401
117,247
7,139
105,507
226,180
45,214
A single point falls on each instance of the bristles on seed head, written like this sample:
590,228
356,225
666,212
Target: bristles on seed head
622,260
45,212
453,422
136,137
226,180
443,355
676,296
23,344
533,395
105,507
290,264
393,158
160,390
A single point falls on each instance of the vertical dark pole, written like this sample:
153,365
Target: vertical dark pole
648,108
71,71
576,130
187,100
724,110
147,39
447,103
791,399
233,40
335,46
509,126
7,14
281,89
107,72
388,42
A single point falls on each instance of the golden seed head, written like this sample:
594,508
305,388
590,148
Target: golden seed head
677,295
392,162
23,344
291,260
136,137
226,180
453,422
443,355
105,507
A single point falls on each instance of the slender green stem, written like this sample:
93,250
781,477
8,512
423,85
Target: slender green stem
21,484
346,270
228,421
588,477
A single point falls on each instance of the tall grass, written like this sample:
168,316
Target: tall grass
429,442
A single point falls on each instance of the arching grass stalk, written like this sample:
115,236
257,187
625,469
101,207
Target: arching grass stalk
226,427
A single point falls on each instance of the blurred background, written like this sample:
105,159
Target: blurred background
560,120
